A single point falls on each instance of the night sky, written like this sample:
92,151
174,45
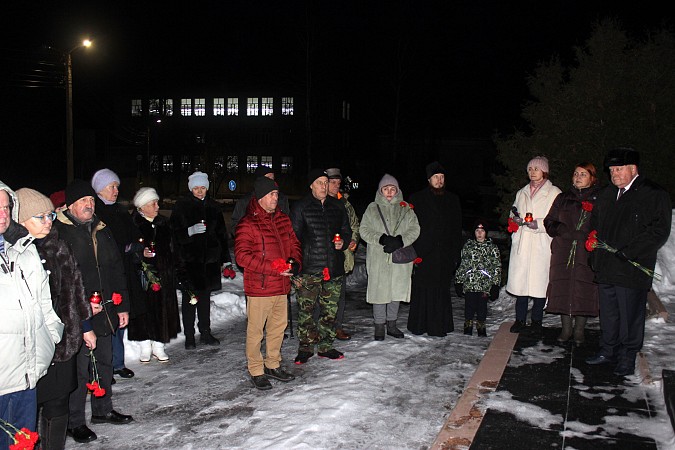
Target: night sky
460,66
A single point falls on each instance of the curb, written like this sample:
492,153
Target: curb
461,426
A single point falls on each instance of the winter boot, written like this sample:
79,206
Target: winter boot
517,326
146,351
379,332
393,331
468,327
536,328
579,324
190,342
566,332
207,338
53,432
480,327
158,351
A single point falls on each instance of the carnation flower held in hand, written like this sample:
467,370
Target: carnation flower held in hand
592,242
150,272
95,385
326,274
116,298
512,226
586,208
280,265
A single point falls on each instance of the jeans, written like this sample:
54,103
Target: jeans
118,349
19,409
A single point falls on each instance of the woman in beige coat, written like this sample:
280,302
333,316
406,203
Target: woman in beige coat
531,246
388,283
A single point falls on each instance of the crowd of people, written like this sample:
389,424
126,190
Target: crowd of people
78,269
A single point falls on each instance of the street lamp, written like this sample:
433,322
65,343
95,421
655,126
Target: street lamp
69,109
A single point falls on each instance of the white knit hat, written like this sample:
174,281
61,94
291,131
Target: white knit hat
198,179
144,196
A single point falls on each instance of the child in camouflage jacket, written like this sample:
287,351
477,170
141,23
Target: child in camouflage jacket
478,277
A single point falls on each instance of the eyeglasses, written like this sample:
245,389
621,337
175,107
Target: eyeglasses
42,219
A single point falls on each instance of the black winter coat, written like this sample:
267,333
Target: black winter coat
637,224
315,225
126,235
201,255
440,241
99,261
571,289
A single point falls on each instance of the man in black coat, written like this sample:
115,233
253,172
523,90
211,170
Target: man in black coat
633,216
99,261
316,220
439,245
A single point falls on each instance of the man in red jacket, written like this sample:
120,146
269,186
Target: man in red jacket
264,242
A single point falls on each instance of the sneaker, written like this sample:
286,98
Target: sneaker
261,382
207,338
332,354
303,357
279,374
518,326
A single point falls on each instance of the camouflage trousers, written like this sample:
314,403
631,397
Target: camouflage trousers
313,291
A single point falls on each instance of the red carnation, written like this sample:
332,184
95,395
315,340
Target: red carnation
116,298
587,206
513,226
411,205
417,260
326,274
156,287
280,265
403,204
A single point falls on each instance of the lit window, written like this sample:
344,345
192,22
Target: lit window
286,106
232,106
267,106
154,107
252,106
266,161
232,164
185,163
200,107
186,106
167,164
251,163
218,106
168,107
136,107
286,164
154,164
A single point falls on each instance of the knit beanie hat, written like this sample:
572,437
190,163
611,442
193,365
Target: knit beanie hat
31,203
102,178
541,162
434,168
334,173
78,189
263,186
387,180
314,174
58,198
198,179
481,223
144,196
261,171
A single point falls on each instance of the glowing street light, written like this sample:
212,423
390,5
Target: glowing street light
69,109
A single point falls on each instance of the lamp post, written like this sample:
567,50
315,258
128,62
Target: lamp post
69,110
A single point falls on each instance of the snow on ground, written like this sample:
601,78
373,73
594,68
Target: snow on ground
394,394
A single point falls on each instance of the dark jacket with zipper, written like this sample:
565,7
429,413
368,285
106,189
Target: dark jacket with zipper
260,239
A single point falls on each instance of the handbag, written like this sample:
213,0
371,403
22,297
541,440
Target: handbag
403,255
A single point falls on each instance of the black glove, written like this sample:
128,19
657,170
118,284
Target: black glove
395,242
494,292
621,255
459,289
295,268
383,239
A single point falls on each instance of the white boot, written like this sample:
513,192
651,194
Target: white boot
146,351
158,351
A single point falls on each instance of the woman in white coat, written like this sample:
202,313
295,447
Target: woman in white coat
531,246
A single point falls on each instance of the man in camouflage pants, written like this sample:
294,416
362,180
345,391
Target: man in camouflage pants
321,224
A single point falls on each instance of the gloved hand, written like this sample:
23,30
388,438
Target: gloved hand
383,239
459,289
228,271
197,228
295,267
532,225
395,242
494,292
518,220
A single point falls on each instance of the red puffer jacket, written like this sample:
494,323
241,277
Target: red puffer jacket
261,238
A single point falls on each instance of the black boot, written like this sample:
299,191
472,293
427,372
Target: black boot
480,327
579,324
53,432
190,342
393,331
517,326
536,328
207,338
379,332
566,332
468,327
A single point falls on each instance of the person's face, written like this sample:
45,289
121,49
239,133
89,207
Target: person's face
199,192
83,209
319,188
437,180
581,178
621,175
4,211
535,173
150,209
389,192
270,175
334,186
110,192
40,224
269,202
480,234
